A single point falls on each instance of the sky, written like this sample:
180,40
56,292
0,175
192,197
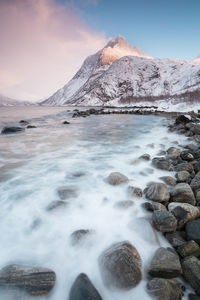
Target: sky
44,42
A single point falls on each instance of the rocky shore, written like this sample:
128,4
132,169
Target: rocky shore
175,207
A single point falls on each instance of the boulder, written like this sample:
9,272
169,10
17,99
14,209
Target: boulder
35,281
184,166
188,249
173,153
116,178
185,155
182,120
165,264
135,191
11,130
191,272
168,180
152,206
193,230
83,289
164,221
164,289
183,176
79,236
197,196
121,266
175,238
65,192
145,157
195,183
157,191
182,192
183,212
162,163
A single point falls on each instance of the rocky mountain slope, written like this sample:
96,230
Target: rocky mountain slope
119,74
6,101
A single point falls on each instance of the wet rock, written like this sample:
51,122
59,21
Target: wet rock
164,289
175,238
165,264
11,130
66,122
35,281
134,191
173,153
145,156
164,221
191,272
161,153
121,266
168,180
83,289
56,204
79,236
157,191
193,230
24,122
116,178
182,120
183,176
67,192
152,206
197,196
185,155
188,249
184,212
162,163
124,204
193,297
195,183
182,192
184,167
31,126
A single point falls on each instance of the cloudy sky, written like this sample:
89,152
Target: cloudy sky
44,42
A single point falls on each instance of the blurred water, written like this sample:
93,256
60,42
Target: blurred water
36,163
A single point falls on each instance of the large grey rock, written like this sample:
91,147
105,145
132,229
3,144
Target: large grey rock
184,166
173,153
116,178
157,191
152,206
11,130
121,266
168,180
195,183
182,192
165,264
191,272
175,238
164,289
164,221
134,191
193,230
183,212
83,289
189,248
183,176
35,281
78,237
162,163
186,155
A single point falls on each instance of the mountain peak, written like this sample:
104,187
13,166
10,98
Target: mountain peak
118,47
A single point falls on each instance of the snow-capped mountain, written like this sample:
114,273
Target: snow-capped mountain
6,101
120,74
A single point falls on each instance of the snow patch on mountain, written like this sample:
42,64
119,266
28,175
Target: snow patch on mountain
6,101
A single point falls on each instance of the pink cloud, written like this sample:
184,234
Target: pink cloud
42,45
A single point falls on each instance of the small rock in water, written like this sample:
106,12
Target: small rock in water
164,221
79,236
24,122
191,272
168,180
189,248
124,204
173,153
195,183
145,156
176,238
11,130
31,126
134,191
56,204
152,206
182,192
66,122
165,264
183,176
162,163
35,281
184,167
185,155
193,230
157,191
121,266
164,289
116,178
67,192
83,289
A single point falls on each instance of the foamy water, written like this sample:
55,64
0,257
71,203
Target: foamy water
36,163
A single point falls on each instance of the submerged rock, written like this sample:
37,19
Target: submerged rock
116,178
182,192
35,281
56,204
164,289
66,122
145,156
79,236
124,204
121,266
67,192
11,130
164,221
193,230
165,263
162,163
157,191
83,289
191,272
135,191
31,126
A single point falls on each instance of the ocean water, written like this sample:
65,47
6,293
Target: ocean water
36,163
